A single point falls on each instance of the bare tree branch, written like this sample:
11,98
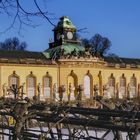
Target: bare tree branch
15,10
43,13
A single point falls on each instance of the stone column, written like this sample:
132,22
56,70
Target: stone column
100,83
96,90
128,91
117,91
138,95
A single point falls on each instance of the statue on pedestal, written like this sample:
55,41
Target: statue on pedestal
5,90
39,89
55,92
96,90
80,92
71,92
62,90
106,91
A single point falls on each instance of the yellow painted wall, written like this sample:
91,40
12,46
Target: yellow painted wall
60,74
0,82
23,71
118,73
80,72
105,72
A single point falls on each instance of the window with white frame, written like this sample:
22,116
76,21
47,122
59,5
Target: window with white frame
14,80
47,86
87,86
122,89
133,85
31,86
13,83
111,83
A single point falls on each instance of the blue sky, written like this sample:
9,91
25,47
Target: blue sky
119,20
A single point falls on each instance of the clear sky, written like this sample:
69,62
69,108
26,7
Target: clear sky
119,20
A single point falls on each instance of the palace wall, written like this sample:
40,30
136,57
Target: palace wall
99,75
23,71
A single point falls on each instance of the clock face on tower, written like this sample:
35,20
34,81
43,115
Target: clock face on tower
69,35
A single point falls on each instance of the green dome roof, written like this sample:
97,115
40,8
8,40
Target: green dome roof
65,23
67,48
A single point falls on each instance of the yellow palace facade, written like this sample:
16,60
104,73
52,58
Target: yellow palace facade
64,67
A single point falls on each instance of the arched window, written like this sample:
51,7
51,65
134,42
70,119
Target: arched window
111,83
47,86
31,85
122,89
87,86
133,85
100,83
14,80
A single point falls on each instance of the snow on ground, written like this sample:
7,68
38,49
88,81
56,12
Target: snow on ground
83,133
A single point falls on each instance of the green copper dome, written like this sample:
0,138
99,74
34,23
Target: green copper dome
65,23
66,48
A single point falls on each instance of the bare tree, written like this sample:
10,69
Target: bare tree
98,45
13,44
22,15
